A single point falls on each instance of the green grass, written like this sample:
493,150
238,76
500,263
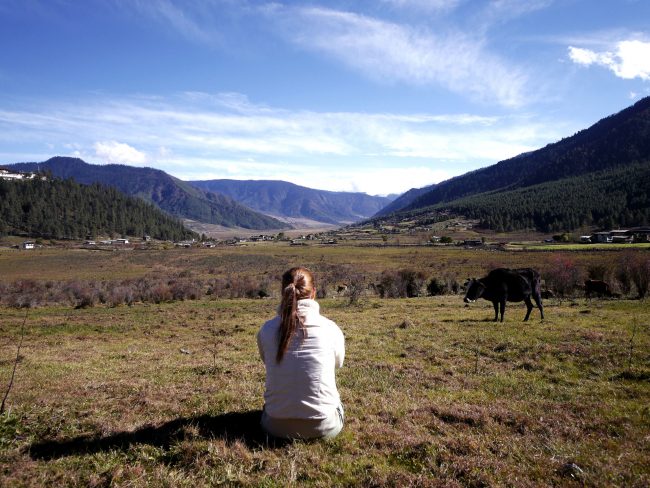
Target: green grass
434,394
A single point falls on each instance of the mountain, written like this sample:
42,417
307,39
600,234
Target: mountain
288,200
56,208
404,200
170,194
603,152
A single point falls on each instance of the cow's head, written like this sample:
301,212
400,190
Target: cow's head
475,289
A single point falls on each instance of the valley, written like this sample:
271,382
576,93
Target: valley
168,391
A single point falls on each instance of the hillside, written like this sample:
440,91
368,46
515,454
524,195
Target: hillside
404,200
59,209
618,197
602,152
166,192
288,200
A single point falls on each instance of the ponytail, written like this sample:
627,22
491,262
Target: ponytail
297,284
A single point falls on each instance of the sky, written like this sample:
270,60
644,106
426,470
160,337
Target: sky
376,96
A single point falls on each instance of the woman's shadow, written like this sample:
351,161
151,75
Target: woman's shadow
231,427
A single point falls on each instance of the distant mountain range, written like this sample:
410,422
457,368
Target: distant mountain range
176,197
538,189
286,200
249,204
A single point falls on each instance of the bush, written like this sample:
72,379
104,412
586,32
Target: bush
81,294
640,272
623,273
119,295
404,283
562,276
443,286
599,272
158,293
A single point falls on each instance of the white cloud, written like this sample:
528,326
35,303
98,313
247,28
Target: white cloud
424,5
189,136
629,60
118,152
399,53
180,19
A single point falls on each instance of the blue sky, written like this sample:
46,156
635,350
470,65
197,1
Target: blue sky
376,96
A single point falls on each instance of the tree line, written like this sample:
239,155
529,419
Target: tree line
63,209
615,197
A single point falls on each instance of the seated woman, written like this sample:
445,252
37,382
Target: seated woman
301,350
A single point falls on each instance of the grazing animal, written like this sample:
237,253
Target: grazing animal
599,287
503,285
546,294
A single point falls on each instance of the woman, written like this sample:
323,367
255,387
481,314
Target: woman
301,350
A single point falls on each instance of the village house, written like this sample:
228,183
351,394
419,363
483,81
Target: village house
5,174
621,236
28,245
601,237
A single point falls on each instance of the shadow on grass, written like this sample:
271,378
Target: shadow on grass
234,426
467,321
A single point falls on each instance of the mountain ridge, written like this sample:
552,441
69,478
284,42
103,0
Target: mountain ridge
168,193
619,139
537,189
288,200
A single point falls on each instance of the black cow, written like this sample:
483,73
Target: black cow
503,284
598,287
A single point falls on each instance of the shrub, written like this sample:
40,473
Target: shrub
623,273
599,272
401,284
81,294
185,290
640,273
119,295
562,276
158,293
443,286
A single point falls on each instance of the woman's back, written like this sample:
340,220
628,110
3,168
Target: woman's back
303,384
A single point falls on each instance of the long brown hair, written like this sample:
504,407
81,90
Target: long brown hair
297,284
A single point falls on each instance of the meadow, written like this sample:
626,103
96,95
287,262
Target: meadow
436,394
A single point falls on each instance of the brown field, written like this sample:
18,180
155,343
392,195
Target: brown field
169,393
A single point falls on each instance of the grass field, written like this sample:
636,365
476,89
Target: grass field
436,395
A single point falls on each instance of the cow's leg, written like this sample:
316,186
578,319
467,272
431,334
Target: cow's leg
529,307
538,301
503,308
496,311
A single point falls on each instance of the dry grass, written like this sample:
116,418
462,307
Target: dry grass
435,395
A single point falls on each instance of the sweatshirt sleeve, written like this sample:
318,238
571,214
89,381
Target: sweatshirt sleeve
339,348
259,345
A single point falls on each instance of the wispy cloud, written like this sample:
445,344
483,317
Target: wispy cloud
424,5
499,11
226,135
628,60
398,53
189,22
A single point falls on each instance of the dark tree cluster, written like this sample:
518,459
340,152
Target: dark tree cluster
64,209
606,199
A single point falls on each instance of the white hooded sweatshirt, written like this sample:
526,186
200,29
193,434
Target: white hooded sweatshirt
302,385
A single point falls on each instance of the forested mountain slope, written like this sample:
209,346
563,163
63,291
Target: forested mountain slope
618,140
615,197
166,192
404,200
56,208
289,200
600,177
